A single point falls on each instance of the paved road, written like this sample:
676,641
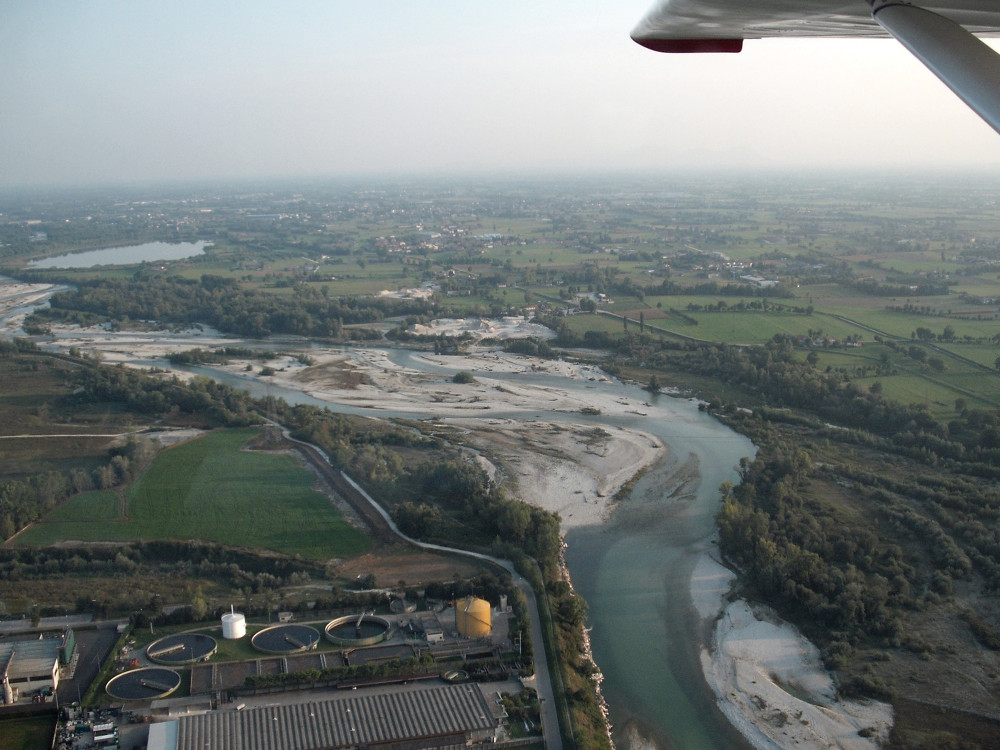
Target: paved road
543,684
93,645
12,627
543,680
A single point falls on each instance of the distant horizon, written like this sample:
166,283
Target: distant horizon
118,93
431,178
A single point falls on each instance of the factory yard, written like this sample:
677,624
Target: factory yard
475,657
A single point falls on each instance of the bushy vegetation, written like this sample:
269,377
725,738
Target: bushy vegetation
819,566
220,302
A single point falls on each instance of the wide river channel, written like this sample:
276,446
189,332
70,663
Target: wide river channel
634,570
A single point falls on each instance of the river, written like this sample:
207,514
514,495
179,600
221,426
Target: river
635,574
635,570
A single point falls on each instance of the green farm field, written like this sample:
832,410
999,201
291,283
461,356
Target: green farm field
725,327
984,354
759,328
210,489
87,507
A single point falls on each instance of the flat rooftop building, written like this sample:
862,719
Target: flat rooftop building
434,717
30,665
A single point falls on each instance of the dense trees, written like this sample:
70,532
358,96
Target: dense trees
851,577
821,567
776,377
219,302
214,404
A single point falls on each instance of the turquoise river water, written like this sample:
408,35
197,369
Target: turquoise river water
635,570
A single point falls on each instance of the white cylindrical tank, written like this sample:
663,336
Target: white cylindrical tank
234,625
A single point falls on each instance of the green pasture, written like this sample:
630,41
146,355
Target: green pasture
938,396
916,382
211,489
749,327
87,507
592,322
983,285
829,294
551,256
914,261
843,358
736,327
903,324
984,354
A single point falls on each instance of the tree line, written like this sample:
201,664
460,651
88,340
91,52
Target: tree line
217,301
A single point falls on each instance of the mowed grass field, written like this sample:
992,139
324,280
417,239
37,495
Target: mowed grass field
210,489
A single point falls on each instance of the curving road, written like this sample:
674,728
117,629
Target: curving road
543,680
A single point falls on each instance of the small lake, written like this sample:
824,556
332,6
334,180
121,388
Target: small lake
124,256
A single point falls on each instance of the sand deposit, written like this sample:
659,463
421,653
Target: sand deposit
769,680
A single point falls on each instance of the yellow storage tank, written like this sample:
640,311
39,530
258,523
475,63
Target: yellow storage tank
473,617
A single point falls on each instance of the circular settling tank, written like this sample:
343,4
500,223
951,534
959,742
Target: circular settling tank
183,648
358,630
234,625
285,639
143,684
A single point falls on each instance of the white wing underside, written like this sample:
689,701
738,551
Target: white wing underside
942,34
757,19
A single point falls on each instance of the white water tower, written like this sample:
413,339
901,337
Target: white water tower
234,625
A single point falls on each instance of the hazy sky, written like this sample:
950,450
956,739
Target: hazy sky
106,91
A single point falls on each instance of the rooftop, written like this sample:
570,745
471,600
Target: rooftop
28,658
356,719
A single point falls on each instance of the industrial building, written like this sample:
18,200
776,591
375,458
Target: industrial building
32,666
451,716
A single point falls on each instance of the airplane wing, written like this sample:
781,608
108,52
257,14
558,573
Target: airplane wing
943,34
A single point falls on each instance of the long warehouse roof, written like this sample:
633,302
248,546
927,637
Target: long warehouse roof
340,722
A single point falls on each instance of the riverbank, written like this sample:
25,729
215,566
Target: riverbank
19,296
769,680
567,467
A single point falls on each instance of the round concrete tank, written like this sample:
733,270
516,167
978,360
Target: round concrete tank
234,625
473,617
355,631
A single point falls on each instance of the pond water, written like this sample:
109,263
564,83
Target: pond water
123,256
